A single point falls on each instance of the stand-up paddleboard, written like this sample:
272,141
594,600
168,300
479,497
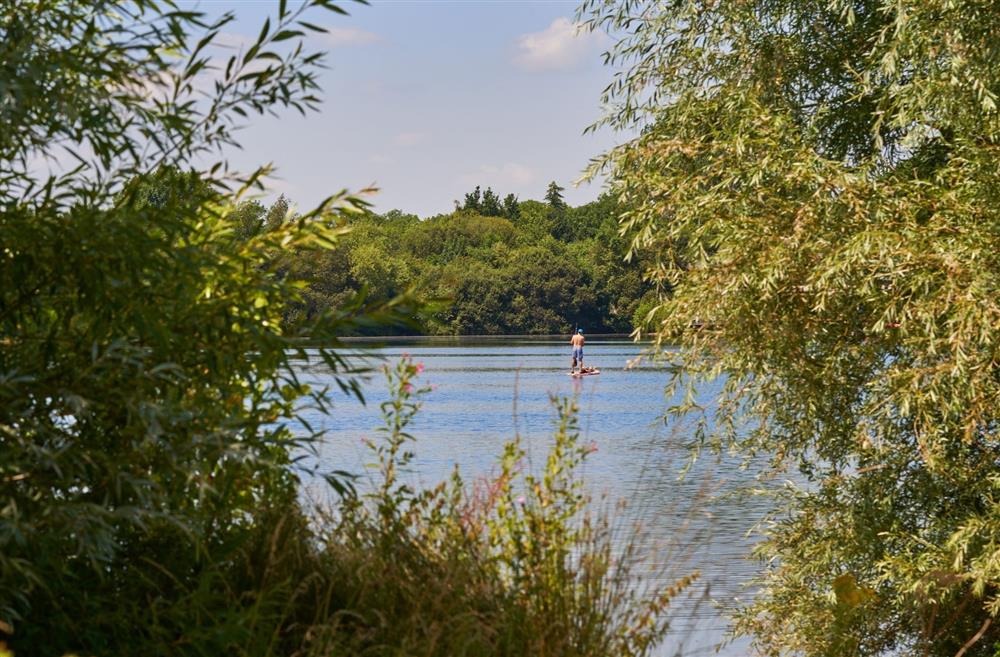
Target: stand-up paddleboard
579,374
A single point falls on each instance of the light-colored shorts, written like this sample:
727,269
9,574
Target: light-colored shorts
578,353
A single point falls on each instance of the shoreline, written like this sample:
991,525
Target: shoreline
483,338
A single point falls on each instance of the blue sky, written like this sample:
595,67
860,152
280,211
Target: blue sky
427,98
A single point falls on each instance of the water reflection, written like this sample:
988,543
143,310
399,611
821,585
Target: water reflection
486,390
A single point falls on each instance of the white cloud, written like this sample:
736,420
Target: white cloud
410,138
341,37
561,46
505,177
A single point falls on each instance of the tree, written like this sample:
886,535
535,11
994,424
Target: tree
488,204
400,218
381,275
559,222
277,214
144,360
553,196
491,204
818,181
473,201
511,209
534,219
519,268
248,219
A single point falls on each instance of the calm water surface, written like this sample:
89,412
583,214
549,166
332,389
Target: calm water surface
486,390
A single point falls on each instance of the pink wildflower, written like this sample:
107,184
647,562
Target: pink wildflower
591,448
522,499
420,368
408,387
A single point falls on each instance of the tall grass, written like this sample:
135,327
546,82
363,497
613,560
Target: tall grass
516,564
513,565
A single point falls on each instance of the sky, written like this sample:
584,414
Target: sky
425,99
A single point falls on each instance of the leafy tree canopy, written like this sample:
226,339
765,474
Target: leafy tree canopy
492,275
488,204
818,181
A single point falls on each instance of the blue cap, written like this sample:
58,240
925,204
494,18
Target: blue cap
579,330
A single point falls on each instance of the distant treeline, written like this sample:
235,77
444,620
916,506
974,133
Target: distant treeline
493,266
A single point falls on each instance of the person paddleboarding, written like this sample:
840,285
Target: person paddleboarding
577,342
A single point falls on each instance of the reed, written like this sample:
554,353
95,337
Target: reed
515,564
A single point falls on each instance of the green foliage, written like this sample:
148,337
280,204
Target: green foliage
145,377
248,219
491,204
535,220
277,214
513,565
251,218
488,204
473,201
496,275
554,197
511,210
818,183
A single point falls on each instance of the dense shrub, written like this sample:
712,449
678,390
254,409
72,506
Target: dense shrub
144,349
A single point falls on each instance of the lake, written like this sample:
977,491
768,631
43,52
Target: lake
488,389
